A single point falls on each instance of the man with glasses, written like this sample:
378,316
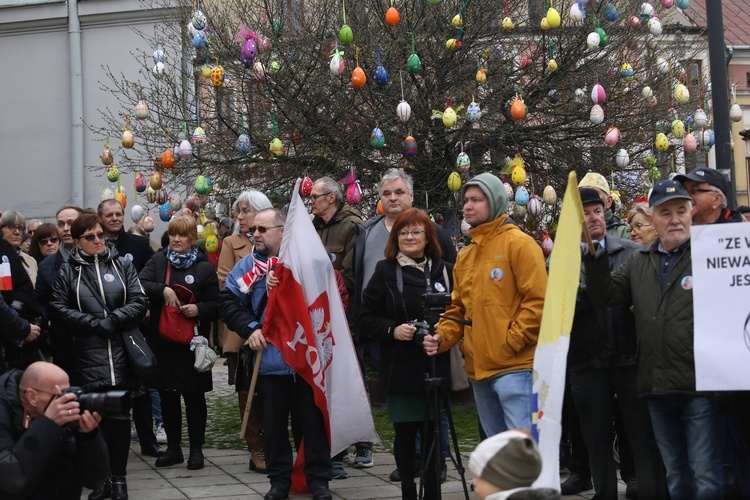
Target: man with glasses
709,190
32,225
242,306
48,448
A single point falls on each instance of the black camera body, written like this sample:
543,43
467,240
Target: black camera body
433,305
110,404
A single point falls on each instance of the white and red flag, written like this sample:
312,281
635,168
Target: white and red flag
305,320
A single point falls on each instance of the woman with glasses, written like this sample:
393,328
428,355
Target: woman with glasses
181,276
392,301
639,224
233,249
97,295
14,227
45,242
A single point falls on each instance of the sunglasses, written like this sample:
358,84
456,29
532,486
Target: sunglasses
92,237
46,241
260,229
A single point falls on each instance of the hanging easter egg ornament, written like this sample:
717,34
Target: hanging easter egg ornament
243,144
552,66
276,147
661,143
305,187
113,174
122,196
165,212
217,76
449,117
410,147
735,113
358,75
534,206
353,193
107,194
200,186
473,112
199,39
175,202
598,95
141,110
553,18
544,24
593,40
626,71
678,129
634,22
162,196
611,136
346,36
518,175
377,139
682,4
610,13
689,143
199,136
413,63
622,159
155,181
463,163
597,114
186,149
654,26
681,94
549,195
249,50
507,24
392,17
337,61
576,14
517,109
136,213
522,196
699,118
167,158
141,183
128,141
199,20
603,37
381,74
403,110
662,65
454,182
508,189
481,75
259,71
547,245
107,156
667,4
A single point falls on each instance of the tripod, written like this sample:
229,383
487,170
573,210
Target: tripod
436,395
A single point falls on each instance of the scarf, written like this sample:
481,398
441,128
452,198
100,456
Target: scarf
182,260
405,261
257,272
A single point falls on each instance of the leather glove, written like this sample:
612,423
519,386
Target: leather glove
107,328
600,253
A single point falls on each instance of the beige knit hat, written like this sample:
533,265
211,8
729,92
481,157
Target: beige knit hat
507,460
594,180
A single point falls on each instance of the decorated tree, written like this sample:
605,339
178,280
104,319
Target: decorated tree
257,94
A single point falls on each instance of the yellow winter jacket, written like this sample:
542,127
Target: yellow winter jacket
499,285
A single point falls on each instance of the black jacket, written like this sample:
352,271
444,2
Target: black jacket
12,326
45,281
448,250
402,365
135,248
175,370
45,461
602,337
98,363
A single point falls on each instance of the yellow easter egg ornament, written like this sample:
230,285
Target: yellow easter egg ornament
518,175
454,182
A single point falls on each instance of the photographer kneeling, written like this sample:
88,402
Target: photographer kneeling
48,447
391,305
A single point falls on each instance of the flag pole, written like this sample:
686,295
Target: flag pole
251,393
587,237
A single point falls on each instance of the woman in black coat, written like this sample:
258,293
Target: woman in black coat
175,376
387,311
95,298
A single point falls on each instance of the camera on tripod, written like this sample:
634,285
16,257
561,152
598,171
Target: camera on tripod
112,404
433,304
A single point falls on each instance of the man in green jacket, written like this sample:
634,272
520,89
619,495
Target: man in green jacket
657,281
616,227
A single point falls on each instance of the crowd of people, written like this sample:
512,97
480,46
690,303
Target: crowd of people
73,290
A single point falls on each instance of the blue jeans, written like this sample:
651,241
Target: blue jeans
504,402
156,406
687,433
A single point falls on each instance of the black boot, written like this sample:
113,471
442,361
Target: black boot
172,456
102,491
195,460
119,488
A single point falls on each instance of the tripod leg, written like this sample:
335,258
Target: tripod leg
457,460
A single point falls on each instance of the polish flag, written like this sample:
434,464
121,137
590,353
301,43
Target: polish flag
305,320
6,280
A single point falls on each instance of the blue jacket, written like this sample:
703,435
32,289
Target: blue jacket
244,313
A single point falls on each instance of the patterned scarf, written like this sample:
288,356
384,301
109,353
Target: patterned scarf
182,260
405,261
261,266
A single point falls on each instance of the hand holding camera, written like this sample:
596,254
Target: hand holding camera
63,409
404,332
431,344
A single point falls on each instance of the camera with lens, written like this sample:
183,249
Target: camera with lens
433,304
111,404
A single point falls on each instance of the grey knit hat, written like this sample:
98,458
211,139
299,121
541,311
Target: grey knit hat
507,460
494,190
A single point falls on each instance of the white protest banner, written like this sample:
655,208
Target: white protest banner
721,305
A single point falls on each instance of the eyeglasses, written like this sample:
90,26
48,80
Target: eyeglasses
261,229
638,227
413,234
13,228
40,390
92,237
695,190
45,241
314,197
245,212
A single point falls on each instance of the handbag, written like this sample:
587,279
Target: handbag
140,356
205,357
173,325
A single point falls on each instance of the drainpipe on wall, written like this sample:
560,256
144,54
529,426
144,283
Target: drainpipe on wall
76,103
